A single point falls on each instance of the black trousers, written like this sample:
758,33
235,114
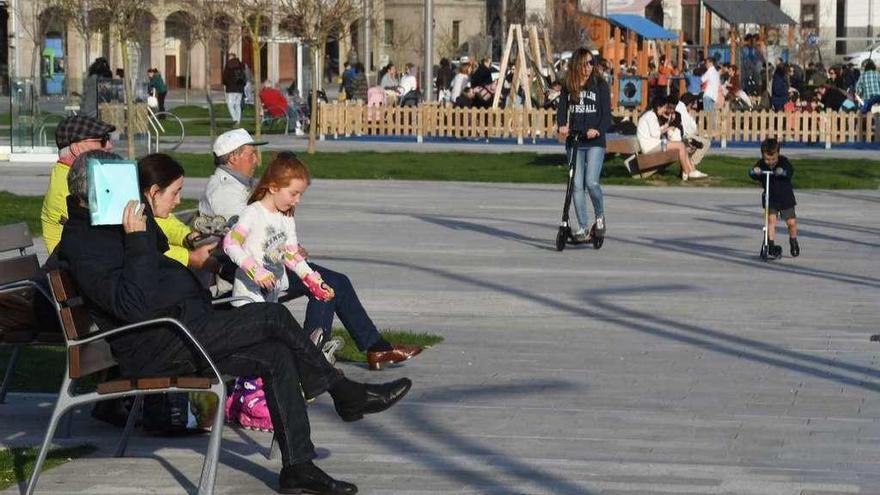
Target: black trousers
258,339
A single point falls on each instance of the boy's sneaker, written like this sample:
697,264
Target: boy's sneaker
776,251
254,412
696,174
600,225
795,248
580,235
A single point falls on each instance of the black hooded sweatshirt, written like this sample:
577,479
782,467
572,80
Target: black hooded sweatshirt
589,109
781,190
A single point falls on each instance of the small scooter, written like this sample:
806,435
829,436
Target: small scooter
766,254
565,234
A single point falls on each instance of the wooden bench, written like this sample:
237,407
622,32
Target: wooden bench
637,163
88,354
18,288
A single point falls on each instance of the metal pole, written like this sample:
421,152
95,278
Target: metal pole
428,84
604,9
368,52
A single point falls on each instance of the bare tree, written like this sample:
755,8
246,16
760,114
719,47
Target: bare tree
254,16
316,21
207,24
182,30
127,16
34,23
445,44
85,20
406,40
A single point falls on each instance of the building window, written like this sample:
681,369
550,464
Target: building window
690,21
809,16
456,27
389,32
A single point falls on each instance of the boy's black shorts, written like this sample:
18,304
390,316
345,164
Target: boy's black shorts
786,214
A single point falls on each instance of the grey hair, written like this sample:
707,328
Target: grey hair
77,178
224,159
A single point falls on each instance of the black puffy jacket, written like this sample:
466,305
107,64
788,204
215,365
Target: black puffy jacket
125,278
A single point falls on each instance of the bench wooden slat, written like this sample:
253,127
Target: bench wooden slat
76,322
18,268
153,383
62,286
649,161
195,382
15,236
115,386
86,359
623,145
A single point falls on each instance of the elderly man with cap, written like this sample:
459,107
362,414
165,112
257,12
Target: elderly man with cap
227,195
74,136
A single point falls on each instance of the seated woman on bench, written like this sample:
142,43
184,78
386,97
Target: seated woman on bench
650,133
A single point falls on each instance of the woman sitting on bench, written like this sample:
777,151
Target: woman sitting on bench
650,134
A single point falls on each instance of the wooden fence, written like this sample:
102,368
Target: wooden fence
356,119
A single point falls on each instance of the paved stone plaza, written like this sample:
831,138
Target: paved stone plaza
671,361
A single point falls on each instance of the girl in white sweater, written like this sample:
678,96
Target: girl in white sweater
264,242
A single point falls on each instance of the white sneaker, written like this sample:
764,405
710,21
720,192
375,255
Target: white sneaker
684,176
580,235
696,174
600,224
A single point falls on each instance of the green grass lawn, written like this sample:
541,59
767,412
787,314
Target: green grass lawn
16,464
551,169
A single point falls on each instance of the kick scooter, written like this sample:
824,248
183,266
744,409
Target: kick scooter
565,235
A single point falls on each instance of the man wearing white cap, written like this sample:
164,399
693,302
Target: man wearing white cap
227,194
228,189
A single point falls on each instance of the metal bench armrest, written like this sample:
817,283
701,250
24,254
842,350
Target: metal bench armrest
104,334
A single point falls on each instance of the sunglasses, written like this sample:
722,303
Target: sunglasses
591,62
104,140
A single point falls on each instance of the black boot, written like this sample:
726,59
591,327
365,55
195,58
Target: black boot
368,399
776,252
795,248
308,478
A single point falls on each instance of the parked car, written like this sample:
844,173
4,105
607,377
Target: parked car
856,58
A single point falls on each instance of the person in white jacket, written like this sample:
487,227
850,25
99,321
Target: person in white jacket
650,133
697,144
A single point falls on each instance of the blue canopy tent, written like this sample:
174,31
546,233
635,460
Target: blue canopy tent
642,27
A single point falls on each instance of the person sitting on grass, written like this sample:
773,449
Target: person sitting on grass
124,278
782,200
227,194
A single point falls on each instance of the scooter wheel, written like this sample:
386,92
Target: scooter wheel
597,242
561,237
765,253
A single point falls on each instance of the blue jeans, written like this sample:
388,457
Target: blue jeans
870,103
345,305
588,168
708,104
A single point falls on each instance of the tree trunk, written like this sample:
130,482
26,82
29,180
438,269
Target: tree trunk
255,51
129,97
211,117
188,72
313,98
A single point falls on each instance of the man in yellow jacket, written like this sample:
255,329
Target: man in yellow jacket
74,136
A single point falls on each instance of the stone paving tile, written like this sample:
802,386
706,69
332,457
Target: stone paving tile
671,361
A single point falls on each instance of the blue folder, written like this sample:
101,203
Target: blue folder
112,184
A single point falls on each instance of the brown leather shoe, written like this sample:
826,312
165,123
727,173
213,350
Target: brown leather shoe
399,353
